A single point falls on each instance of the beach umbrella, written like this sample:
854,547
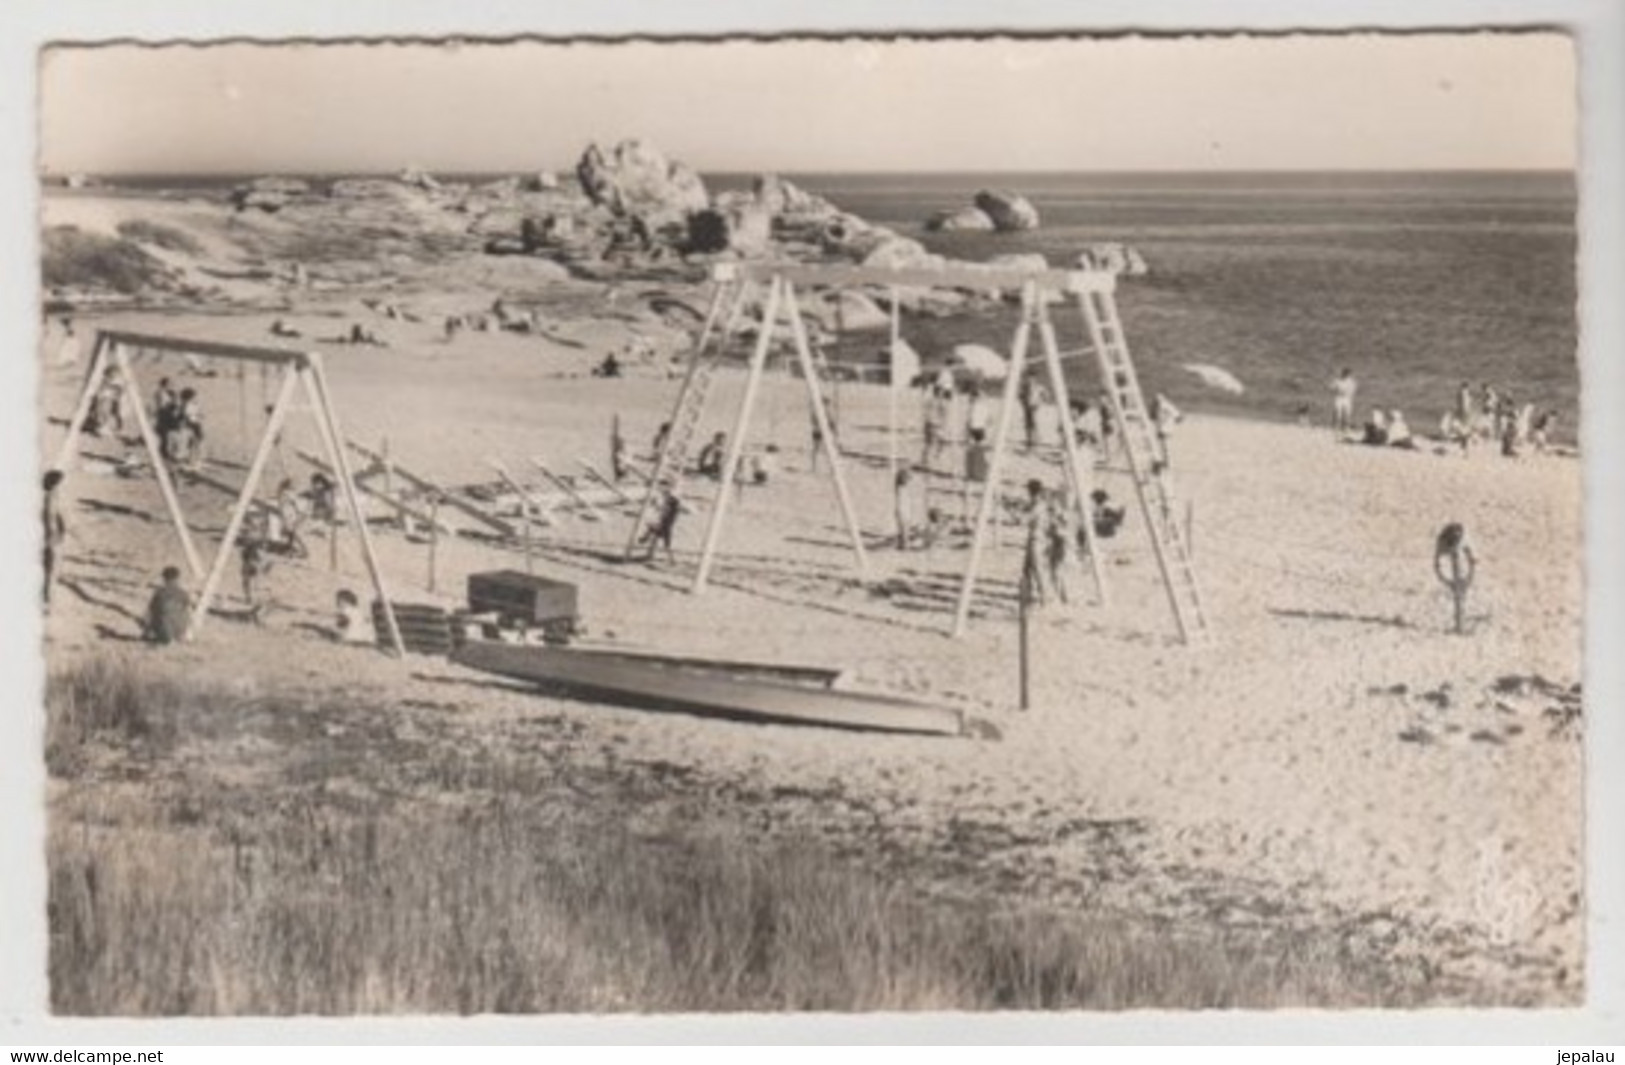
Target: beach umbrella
979,360
1215,377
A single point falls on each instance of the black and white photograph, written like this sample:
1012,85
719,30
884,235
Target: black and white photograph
821,523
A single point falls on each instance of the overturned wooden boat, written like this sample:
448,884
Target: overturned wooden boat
743,691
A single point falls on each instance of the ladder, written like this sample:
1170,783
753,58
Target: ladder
1148,463
690,405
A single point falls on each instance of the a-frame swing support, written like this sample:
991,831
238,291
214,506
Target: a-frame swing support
1094,291
298,370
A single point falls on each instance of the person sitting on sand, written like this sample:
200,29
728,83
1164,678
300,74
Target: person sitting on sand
1454,430
610,367
169,611
1376,428
1540,432
1399,434
760,466
1103,516
283,329
323,497
1086,423
1344,387
351,624
709,461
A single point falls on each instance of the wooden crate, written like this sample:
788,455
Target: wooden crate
522,598
426,629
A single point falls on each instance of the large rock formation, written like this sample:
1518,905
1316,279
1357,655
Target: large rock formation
269,193
965,219
1010,211
637,178
1114,258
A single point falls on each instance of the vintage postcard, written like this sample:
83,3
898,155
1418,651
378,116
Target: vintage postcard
922,523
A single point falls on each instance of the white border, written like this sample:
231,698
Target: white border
1600,28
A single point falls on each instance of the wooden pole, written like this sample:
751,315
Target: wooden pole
245,502
1024,595
736,443
434,539
891,390
995,466
332,438
160,468
100,360
798,330
389,472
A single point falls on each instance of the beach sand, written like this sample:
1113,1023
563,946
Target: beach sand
1333,755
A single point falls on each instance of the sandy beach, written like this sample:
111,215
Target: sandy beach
1334,757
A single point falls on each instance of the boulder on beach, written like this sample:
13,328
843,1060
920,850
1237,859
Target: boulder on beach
965,219
1114,258
418,177
1009,211
541,181
636,177
781,197
742,228
1020,261
269,193
845,309
897,252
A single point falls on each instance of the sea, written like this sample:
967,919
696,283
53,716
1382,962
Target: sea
1414,281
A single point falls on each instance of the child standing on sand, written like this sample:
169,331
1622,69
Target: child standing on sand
1344,388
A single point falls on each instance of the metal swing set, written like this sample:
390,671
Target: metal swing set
736,286
291,371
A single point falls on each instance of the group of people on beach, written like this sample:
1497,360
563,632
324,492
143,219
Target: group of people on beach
1475,414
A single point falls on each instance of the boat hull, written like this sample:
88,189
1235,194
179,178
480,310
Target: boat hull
710,689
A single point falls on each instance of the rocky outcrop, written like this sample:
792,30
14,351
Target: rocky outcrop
743,228
965,219
846,310
636,178
269,194
1009,211
1114,258
896,252
541,181
417,177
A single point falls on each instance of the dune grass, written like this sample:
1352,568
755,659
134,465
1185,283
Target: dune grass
292,901
159,235
76,259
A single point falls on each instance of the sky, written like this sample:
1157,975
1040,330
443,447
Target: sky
1371,101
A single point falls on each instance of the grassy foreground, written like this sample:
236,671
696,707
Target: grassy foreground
491,901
